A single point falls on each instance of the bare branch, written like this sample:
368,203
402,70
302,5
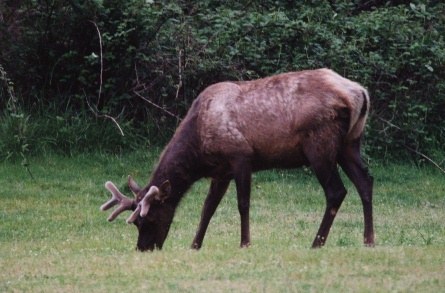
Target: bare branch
95,112
389,123
410,148
425,157
178,87
101,62
157,106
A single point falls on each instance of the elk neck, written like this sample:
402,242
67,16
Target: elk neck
180,162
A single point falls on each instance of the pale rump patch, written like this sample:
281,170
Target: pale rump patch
354,94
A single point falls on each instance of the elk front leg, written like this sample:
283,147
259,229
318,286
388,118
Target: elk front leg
217,190
243,178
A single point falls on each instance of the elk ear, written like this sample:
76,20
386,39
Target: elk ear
134,187
164,191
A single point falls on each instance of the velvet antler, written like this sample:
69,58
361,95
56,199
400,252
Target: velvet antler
117,198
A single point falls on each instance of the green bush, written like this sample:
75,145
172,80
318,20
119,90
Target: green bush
113,55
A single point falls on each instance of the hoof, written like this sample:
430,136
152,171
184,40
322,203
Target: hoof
245,245
195,246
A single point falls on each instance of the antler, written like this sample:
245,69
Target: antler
117,198
125,203
144,205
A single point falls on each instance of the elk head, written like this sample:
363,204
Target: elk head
151,214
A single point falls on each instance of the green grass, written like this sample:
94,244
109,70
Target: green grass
53,238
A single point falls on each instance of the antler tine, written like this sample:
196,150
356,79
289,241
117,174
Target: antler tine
116,198
143,206
145,202
134,215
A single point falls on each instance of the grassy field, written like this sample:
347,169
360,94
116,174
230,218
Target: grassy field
53,238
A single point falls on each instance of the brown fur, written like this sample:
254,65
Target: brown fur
313,117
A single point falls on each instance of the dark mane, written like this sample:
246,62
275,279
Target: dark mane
178,160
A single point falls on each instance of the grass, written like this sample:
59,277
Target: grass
53,238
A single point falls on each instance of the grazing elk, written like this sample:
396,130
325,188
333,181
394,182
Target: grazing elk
314,118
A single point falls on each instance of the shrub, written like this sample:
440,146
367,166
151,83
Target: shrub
113,55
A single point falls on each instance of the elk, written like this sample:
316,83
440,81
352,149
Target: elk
312,118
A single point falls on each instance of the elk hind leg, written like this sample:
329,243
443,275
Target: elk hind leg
351,162
335,192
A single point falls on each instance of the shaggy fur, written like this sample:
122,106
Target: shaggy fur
232,129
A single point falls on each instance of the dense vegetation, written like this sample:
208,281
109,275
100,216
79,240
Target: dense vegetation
75,71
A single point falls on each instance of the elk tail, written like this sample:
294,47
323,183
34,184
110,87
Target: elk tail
358,117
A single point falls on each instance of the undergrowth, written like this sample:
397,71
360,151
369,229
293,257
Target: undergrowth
23,135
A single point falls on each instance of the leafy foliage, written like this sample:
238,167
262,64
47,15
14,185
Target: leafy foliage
111,56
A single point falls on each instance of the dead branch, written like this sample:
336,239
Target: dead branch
425,157
157,106
96,113
94,110
179,85
101,63
411,149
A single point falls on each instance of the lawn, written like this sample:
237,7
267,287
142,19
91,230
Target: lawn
54,238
